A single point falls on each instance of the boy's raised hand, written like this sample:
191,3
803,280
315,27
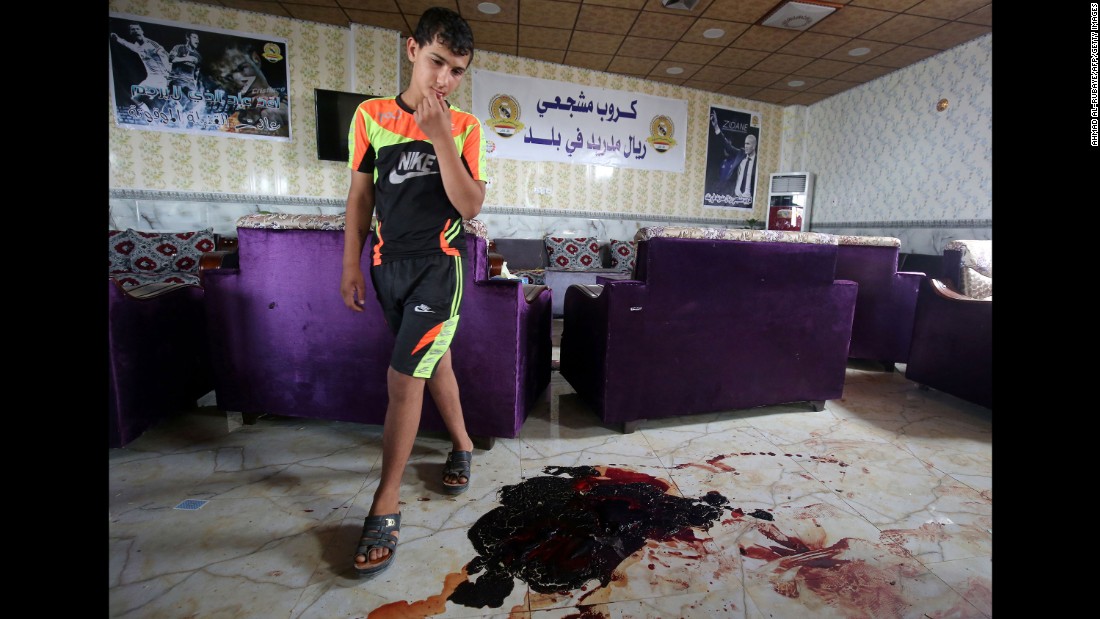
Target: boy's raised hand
433,116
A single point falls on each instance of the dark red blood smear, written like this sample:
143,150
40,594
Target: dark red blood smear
556,533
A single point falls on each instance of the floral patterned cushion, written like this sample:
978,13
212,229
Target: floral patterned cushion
534,276
623,254
120,244
156,252
573,253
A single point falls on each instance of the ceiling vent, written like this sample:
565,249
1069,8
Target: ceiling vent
683,5
798,15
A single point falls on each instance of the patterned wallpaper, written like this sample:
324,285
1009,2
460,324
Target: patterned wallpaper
882,153
319,57
876,150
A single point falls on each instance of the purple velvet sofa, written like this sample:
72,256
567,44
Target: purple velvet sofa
882,328
714,319
283,342
157,358
952,348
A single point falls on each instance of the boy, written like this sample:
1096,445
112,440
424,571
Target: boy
418,162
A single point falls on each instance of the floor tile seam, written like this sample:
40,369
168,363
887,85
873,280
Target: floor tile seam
947,585
336,514
920,558
964,597
204,570
979,491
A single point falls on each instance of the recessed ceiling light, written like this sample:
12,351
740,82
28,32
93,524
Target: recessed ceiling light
674,70
796,83
713,33
488,8
859,51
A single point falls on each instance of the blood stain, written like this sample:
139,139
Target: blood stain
575,524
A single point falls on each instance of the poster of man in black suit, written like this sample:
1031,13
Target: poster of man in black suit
732,159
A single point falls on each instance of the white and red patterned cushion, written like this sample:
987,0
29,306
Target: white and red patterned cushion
120,244
573,253
157,252
534,276
623,254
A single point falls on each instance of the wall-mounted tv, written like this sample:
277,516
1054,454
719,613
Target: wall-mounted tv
334,111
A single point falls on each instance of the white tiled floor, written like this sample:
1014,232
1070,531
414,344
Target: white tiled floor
878,506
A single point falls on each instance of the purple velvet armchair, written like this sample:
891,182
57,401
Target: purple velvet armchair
719,320
283,342
952,348
882,328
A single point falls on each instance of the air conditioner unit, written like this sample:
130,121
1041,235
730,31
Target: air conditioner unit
790,197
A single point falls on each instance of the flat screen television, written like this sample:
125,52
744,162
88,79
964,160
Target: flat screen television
334,111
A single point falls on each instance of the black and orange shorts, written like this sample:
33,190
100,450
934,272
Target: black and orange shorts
420,299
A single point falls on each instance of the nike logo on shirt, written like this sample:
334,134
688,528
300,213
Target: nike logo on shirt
397,179
412,164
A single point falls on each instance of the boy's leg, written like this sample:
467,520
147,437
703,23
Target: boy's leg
406,394
444,389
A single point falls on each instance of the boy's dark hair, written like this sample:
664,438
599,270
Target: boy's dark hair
447,26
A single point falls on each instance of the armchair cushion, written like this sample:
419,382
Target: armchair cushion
155,252
623,254
573,253
120,244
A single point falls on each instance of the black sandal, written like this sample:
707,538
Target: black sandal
457,465
378,533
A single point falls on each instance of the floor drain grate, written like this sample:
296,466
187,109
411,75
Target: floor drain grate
191,504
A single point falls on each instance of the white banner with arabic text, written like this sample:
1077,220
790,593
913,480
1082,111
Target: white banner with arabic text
532,119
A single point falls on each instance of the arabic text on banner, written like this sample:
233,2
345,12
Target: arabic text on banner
532,119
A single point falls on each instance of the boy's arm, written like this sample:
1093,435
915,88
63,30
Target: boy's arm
467,194
357,219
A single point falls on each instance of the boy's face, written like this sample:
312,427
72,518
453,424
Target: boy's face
436,70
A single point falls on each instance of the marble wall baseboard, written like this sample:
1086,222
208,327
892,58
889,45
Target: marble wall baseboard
178,212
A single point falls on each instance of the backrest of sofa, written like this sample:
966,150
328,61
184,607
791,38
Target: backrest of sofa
695,269
319,240
867,258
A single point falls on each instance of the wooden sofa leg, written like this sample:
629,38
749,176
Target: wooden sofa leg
484,442
817,405
630,426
